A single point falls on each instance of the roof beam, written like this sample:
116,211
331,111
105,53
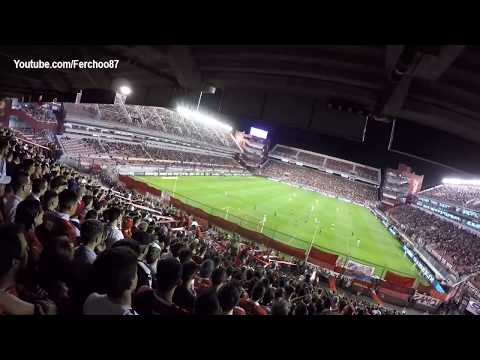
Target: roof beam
433,66
184,67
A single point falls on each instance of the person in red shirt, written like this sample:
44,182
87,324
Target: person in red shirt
160,301
203,282
58,223
251,305
127,225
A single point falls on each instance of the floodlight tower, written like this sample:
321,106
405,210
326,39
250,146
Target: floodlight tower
121,95
206,90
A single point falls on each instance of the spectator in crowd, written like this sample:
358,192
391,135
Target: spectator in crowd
58,184
55,271
50,202
229,298
252,305
116,271
13,260
151,259
91,215
280,307
219,277
185,295
21,186
92,238
29,214
39,187
207,304
204,281
58,223
114,218
160,301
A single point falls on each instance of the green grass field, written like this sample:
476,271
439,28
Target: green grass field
293,216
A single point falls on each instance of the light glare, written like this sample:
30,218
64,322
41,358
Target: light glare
195,115
456,181
125,90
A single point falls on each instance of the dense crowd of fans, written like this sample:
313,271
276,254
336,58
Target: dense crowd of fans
464,195
326,183
322,162
124,153
459,247
71,246
160,119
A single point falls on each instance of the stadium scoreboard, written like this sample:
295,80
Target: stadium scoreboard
262,134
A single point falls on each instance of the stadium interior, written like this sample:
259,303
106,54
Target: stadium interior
237,180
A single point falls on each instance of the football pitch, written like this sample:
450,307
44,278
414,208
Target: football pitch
293,216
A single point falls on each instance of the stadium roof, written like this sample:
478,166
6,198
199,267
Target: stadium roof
437,86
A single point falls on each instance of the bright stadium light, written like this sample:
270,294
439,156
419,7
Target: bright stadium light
195,115
456,181
125,90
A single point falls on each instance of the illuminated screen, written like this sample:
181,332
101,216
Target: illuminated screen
258,133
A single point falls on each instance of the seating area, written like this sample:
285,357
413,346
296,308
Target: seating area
192,158
462,195
162,120
285,152
315,160
442,238
41,137
320,181
341,166
366,173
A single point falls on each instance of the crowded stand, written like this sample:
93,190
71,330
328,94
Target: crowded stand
320,181
324,162
442,238
193,158
467,196
43,137
311,159
339,166
71,246
285,152
128,153
366,173
155,118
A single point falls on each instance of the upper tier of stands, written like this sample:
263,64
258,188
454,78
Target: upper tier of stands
466,196
327,163
159,121
442,238
320,181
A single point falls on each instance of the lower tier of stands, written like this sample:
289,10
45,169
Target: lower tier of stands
440,237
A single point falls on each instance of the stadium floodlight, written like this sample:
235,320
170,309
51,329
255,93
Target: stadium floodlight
125,90
198,116
456,181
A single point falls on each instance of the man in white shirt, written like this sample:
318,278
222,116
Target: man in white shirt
116,271
114,218
21,186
